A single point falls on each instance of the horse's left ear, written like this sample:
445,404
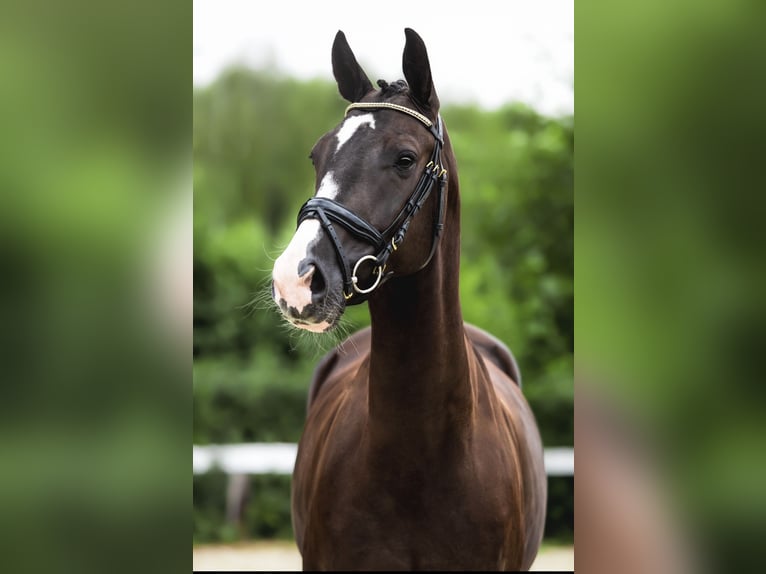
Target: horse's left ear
417,71
353,83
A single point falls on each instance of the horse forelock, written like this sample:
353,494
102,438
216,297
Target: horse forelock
394,88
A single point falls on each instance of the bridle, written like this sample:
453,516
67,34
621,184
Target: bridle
328,211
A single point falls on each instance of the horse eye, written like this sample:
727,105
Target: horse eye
405,162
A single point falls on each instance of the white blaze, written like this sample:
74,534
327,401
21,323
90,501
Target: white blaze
350,126
328,188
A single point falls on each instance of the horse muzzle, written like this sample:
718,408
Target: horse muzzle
307,292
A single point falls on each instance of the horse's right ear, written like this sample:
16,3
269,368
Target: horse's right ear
353,83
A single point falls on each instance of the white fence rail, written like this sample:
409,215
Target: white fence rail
279,458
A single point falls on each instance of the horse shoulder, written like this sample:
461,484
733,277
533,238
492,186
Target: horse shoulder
332,391
506,409
492,349
348,355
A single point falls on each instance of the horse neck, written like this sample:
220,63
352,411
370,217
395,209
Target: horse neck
419,385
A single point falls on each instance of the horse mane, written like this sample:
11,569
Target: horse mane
388,90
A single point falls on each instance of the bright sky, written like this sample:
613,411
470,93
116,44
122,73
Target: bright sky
484,51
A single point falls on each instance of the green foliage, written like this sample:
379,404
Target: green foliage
209,507
253,132
559,518
266,513
258,402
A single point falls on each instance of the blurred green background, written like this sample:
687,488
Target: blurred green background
670,281
95,296
253,130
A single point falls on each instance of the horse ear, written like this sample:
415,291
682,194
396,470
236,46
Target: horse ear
353,83
417,71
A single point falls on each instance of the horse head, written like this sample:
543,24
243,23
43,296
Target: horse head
374,172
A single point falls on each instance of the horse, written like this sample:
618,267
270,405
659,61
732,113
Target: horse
419,451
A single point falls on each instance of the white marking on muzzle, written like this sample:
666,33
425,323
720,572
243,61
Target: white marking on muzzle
349,127
288,285
316,327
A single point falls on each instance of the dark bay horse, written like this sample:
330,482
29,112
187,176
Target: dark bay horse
419,450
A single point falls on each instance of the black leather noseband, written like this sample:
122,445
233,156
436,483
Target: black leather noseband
328,212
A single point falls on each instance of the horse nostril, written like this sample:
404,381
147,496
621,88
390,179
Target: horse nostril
313,278
318,284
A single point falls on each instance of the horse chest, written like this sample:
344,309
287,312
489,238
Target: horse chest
406,519
383,532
